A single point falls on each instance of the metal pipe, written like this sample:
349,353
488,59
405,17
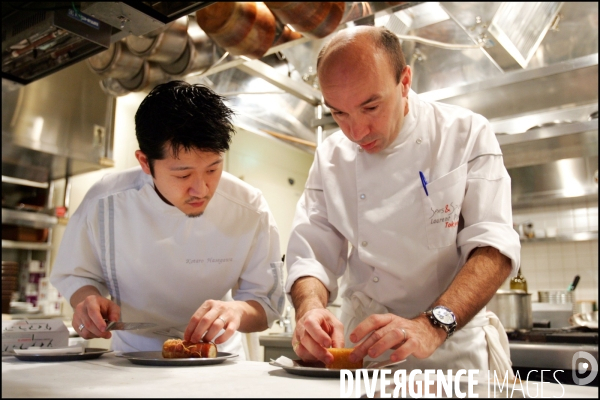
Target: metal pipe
448,46
290,138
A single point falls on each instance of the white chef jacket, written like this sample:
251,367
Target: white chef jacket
160,265
406,245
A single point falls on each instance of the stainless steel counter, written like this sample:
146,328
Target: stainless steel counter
547,355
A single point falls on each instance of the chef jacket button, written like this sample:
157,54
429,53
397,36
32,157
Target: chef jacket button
361,149
376,279
364,244
362,196
419,140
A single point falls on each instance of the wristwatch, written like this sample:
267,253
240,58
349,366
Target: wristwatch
443,317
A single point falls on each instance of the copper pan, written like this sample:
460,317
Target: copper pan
284,34
314,19
241,28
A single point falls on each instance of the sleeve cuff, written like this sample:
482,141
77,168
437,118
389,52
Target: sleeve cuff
500,236
306,267
74,284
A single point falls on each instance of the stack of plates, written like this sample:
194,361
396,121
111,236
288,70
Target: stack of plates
555,296
10,283
21,307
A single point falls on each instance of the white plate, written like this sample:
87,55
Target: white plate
156,358
77,349
316,369
90,353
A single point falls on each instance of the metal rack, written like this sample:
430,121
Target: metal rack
23,251
573,237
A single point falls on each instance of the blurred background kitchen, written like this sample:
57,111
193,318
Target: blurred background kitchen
74,73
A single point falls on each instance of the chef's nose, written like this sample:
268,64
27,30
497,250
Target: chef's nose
199,188
358,128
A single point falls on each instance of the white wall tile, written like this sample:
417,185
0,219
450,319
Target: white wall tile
554,264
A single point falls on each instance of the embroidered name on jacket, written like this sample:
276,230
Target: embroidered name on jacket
208,260
447,215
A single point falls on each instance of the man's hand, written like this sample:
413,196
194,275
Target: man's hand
317,330
388,331
214,315
89,311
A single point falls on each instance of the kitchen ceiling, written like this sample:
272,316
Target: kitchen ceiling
540,69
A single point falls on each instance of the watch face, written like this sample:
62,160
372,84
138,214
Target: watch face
443,315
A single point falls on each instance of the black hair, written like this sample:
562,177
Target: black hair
178,115
387,41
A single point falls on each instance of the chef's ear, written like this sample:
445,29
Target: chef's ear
406,80
143,160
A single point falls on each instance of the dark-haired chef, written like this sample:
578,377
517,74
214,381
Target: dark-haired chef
168,240
410,202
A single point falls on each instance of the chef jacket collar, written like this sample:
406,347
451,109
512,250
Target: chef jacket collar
410,122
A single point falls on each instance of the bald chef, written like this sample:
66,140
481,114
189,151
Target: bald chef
410,203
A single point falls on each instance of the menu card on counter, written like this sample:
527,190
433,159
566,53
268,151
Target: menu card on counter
43,333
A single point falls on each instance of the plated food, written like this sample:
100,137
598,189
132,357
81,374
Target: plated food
178,348
341,361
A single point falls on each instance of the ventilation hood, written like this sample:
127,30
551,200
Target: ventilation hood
40,38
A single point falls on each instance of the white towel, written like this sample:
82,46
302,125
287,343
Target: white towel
498,349
356,310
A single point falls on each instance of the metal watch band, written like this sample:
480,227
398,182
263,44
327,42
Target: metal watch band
448,328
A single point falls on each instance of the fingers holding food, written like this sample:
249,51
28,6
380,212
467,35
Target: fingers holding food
341,359
317,330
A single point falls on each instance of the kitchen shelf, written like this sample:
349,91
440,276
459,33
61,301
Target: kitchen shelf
25,182
12,244
25,218
575,237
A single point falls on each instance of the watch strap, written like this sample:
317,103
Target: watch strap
448,328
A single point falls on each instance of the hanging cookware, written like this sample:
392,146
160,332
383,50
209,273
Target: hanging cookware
284,34
116,62
313,19
165,47
200,52
149,76
241,28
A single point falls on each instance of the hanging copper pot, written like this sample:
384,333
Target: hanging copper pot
314,19
241,28
284,34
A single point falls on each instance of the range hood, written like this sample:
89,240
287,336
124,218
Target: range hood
40,38
55,127
546,123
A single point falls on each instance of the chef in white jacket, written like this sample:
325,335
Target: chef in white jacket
410,203
171,239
